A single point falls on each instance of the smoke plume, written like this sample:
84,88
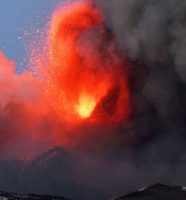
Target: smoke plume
152,32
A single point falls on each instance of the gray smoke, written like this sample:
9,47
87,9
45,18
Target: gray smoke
152,32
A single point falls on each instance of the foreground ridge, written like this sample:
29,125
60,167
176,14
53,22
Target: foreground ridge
16,196
157,192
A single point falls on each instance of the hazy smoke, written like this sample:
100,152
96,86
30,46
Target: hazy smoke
23,114
153,32
150,30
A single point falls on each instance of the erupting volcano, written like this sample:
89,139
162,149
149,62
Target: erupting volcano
87,74
81,81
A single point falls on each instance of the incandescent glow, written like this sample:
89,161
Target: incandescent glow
81,82
87,74
86,106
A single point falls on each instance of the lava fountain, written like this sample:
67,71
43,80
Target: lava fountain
87,73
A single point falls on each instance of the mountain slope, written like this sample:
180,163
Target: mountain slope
157,192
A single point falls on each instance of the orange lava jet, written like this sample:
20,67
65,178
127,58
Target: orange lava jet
87,73
86,106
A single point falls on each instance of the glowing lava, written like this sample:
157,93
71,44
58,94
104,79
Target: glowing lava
86,106
87,73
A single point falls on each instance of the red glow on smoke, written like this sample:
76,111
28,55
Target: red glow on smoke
83,84
87,74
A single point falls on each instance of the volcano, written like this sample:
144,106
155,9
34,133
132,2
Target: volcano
105,88
51,172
